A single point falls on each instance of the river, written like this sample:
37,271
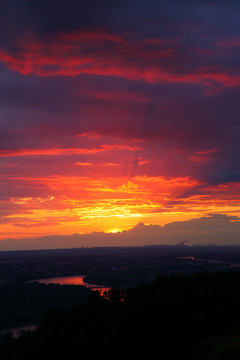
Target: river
16,331
63,280
72,280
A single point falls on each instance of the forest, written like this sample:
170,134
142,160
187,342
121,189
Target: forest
180,316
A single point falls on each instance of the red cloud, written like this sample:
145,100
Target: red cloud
101,53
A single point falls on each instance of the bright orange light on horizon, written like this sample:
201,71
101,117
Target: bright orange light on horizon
111,204
114,230
102,185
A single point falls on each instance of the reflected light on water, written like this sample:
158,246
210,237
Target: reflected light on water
73,280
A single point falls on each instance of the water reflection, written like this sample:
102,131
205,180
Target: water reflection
17,331
73,280
65,280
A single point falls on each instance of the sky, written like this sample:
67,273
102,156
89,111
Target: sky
117,116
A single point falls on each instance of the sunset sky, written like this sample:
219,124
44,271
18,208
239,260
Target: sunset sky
115,113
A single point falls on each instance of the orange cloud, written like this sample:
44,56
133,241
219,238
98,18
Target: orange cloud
82,204
69,151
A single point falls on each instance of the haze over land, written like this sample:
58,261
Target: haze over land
115,113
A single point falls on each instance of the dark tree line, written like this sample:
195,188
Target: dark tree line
21,304
179,317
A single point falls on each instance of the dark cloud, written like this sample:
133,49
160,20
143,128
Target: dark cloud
177,122
215,229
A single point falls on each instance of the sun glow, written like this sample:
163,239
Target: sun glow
77,204
114,231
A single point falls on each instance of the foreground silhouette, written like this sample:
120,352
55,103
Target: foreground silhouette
177,317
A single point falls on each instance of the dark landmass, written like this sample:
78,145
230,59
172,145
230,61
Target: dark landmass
124,266
185,317
22,303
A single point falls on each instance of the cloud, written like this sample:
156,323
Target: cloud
215,229
96,95
106,54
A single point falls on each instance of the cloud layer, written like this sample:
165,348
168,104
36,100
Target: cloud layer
212,230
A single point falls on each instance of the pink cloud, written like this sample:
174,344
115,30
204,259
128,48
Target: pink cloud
105,54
